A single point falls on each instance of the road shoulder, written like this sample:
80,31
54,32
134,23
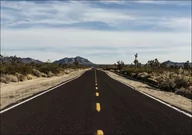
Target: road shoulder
168,97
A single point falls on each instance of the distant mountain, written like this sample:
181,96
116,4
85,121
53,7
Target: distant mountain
23,60
30,60
67,60
178,64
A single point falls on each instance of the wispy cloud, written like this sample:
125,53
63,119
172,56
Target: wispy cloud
89,43
102,31
84,14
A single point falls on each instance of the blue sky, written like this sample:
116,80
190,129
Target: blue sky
102,31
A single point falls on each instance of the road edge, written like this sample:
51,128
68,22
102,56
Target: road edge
24,100
157,99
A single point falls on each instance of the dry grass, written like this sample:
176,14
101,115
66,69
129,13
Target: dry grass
179,81
8,78
38,73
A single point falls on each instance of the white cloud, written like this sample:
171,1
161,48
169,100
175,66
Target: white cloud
179,23
165,2
60,13
124,43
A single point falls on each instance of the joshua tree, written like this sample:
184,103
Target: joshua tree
153,63
157,63
48,61
120,65
186,65
136,61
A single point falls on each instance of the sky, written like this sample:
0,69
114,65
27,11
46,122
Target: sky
101,31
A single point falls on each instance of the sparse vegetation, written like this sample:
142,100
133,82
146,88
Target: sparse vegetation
14,70
173,79
120,65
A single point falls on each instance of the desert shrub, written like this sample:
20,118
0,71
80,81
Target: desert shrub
21,77
24,69
29,77
38,73
50,74
5,78
182,82
185,92
43,75
16,68
2,68
67,71
46,68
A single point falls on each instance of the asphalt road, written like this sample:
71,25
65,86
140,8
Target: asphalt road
84,106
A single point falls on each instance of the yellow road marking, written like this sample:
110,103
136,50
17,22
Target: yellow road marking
95,83
100,132
97,94
95,76
98,107
96,88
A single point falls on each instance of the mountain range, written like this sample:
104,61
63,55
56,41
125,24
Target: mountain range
81,60
23,60
67,60
178,64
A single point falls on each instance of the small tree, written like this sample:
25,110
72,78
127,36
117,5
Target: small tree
186,65
153,63
15,60
136,62
48,61
157,63
120,65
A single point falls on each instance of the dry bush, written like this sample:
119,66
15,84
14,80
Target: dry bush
185,92
29,77
38,73
43,75
3,79
142,75
67,71
182,81
21,77
8,78
11,78
50,74
171,81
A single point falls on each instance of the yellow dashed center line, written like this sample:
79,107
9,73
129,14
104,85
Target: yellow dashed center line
95,76
97,94
100,132
98,107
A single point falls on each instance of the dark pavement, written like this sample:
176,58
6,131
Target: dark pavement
71,109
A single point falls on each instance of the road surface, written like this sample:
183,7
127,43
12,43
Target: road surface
94,104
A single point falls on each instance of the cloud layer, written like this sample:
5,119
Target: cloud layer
101,31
